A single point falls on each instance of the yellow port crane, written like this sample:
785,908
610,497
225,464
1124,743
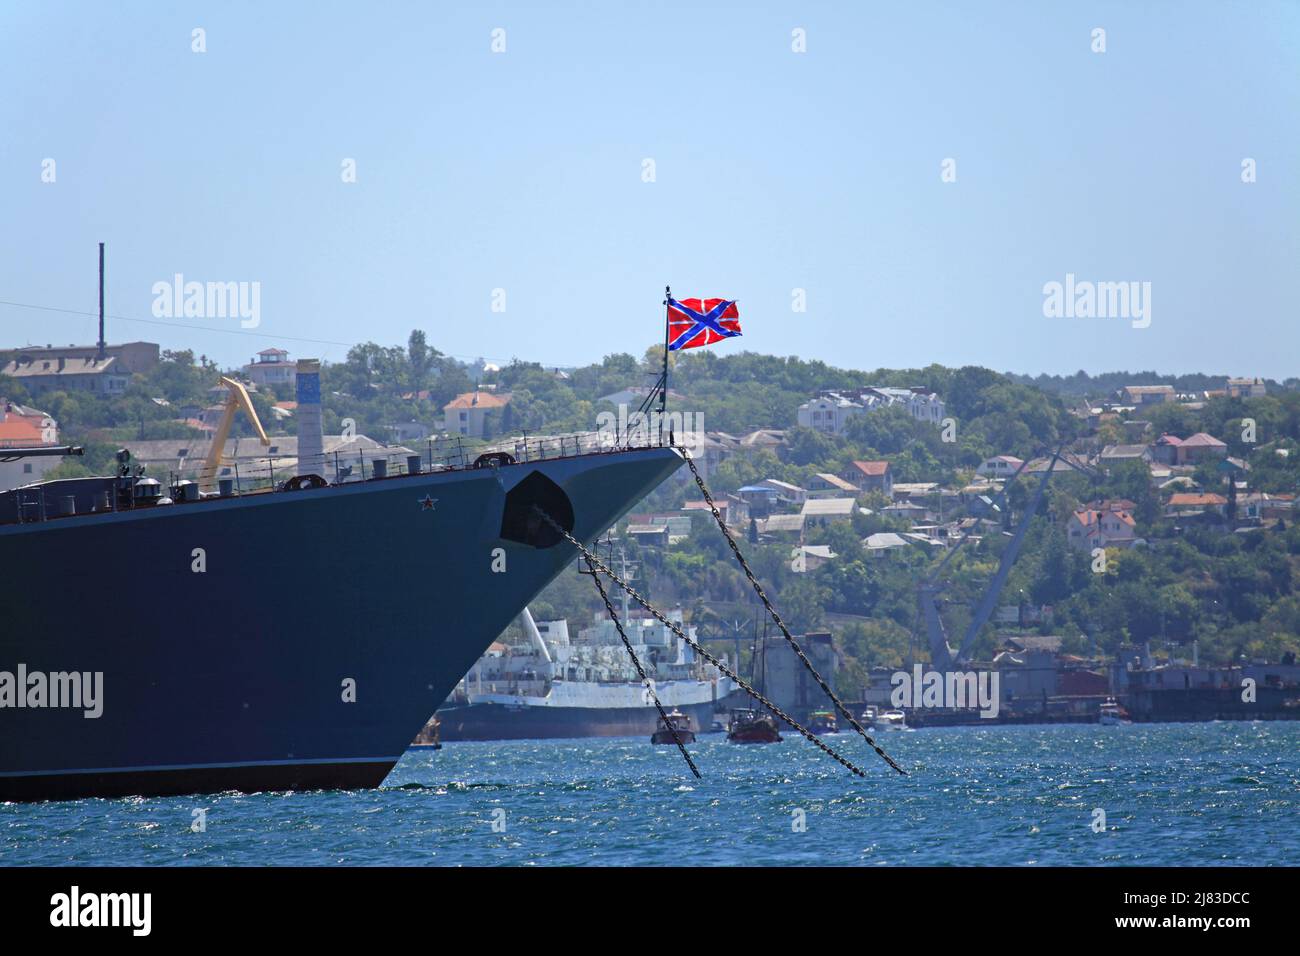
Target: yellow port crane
236,398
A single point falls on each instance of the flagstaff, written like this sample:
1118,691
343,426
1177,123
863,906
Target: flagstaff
663,394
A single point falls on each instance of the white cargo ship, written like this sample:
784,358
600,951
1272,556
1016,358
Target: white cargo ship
557,685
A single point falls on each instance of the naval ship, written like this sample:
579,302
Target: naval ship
561,686
275,639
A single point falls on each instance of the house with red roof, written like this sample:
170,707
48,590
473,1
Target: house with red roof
22,427
1165,449
466,413
1186,503
870,476
1104,527
271,367
1200,447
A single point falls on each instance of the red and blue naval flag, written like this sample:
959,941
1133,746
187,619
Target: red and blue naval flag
696,322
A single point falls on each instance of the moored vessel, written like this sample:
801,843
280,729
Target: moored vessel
1111,714
752,727
558,685
673,728
823,722
274,640
891,720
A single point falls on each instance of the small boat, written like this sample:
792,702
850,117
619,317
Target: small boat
1111,714
675,721
752,727
868,716
891,720
429,737
823,722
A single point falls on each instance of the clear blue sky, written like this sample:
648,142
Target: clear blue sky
775,171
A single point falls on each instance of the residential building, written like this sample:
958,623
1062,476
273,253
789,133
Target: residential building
833,409
1264,506
824,485
810,557
716,448
782,526
908,510
1138,395
1165,449
902,490
1187,503
22,427
38,372
762,438
1114,454
879,545
1090,528
921,403
466,414
131,357
1201,447
820,511
871,476
829,413
1246,388
734,510
786,491
1066,462
270,368
999,466
760,498
651,535
47,429
408,431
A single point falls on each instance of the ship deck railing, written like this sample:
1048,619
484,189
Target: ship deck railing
265,475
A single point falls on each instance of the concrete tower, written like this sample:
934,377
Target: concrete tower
311,440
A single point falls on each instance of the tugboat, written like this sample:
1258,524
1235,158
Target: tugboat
675,721
823,722
1111,714
751,727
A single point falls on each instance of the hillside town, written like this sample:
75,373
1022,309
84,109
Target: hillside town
1161,556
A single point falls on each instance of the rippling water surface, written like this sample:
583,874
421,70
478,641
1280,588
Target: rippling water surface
1185,794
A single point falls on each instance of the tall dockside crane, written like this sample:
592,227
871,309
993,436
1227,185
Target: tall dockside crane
236,398
942,656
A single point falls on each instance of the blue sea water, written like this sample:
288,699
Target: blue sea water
1173,794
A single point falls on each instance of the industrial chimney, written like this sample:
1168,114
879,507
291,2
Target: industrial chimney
311,441
103,346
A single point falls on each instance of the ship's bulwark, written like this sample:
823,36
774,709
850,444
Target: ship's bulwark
234,678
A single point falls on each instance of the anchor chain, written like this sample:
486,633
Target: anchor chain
699,648
785,631
672,727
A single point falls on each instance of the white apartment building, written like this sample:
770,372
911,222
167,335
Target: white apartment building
832,410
